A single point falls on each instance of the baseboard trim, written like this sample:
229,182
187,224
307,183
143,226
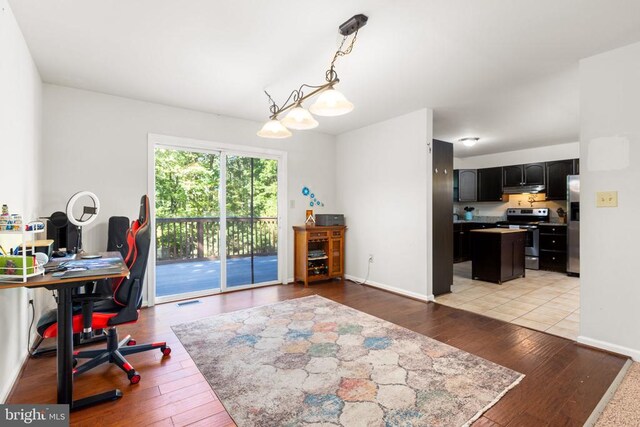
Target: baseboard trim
615,348
392,289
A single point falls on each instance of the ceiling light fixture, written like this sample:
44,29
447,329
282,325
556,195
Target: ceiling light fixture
330,103
469,142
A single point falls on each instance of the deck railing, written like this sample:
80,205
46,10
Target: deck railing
180,239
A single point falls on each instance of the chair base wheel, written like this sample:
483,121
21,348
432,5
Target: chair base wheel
132,342
134,377
165,351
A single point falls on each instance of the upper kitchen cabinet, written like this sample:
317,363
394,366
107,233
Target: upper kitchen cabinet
489,184
512,176
534,174
467,185
557,172
519,175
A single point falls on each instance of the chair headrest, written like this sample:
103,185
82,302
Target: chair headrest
144,210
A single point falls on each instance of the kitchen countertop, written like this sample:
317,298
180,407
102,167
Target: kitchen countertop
564,224
500,230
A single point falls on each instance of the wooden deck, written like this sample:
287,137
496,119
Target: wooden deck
199,275
563,382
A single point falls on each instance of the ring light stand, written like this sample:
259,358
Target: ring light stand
89,213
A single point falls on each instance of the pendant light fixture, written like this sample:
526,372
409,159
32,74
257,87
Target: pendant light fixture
330,102
275,130
300,119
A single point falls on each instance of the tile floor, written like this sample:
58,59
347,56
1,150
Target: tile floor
543,300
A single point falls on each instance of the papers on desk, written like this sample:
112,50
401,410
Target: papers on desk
89,267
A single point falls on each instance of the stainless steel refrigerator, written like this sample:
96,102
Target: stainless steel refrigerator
573,225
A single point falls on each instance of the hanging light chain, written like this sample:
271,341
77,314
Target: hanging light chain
331,74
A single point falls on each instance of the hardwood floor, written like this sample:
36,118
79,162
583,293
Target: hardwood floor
563,381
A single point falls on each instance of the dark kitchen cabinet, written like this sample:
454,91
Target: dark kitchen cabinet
489,184
557,172
553,247
461,240
497,254
576,166
456,185
534,174
512,176
528,174
467,185
442,202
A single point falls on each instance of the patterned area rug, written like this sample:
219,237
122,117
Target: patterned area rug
311,361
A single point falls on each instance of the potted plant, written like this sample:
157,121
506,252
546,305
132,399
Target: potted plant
468,213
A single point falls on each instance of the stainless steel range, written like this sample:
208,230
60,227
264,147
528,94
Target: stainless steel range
527,219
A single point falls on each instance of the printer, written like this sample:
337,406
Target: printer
329,219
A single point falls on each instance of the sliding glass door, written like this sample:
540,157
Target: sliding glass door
252,220
187,218
216,221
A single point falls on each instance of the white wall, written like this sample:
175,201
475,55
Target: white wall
98,142
610,153
20,110
531,155
547,153
384,185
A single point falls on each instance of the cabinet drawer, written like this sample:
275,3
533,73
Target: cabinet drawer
553,229
554,261
553,242
336,233
318,235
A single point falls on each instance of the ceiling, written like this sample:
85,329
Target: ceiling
503,70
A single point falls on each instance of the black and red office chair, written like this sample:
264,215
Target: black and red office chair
121,307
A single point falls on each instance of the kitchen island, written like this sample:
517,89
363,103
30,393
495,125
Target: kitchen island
497,254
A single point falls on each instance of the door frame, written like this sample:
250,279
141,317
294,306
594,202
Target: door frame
224,149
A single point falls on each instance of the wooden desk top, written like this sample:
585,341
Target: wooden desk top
49,280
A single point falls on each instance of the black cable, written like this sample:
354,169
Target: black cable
364,282
33,318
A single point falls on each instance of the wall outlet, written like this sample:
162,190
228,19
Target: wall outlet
371,258
607,199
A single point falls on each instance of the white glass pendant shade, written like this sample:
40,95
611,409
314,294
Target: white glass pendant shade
331,103
274,129
300,119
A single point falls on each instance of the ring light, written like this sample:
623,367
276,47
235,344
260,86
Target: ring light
92,211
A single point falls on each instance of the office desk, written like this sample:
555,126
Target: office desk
64,287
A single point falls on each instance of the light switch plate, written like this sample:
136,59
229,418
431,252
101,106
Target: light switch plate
607,199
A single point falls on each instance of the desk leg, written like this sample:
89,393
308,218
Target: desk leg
65,346
65,358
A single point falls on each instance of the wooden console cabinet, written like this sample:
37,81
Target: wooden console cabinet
318,253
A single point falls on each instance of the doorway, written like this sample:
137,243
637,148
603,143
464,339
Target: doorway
217,219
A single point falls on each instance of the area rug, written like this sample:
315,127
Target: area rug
624,408
313,362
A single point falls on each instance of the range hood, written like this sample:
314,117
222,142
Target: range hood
521,189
